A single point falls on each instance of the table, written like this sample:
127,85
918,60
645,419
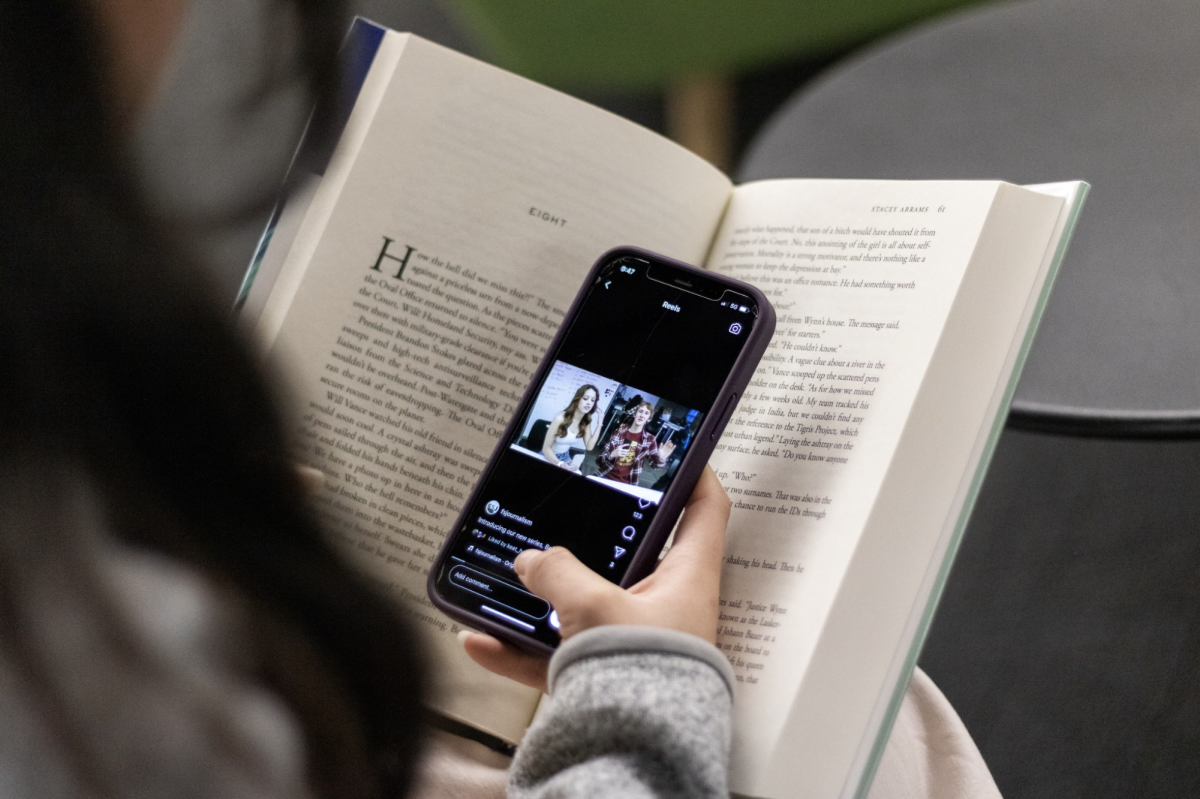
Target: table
1066,635
1106,91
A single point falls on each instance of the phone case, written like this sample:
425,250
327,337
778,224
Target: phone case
677,494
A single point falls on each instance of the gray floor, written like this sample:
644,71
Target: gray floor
1069,634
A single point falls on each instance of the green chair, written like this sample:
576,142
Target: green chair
685,48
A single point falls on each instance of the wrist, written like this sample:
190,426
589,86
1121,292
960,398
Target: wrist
619,639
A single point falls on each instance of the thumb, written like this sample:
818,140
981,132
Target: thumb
580,596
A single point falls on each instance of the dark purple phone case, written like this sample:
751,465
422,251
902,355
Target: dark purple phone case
676,495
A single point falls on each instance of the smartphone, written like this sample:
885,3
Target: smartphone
609,440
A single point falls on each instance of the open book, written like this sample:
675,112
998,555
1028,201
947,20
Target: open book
409,288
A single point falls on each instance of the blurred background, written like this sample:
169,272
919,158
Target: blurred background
1068,637
707,73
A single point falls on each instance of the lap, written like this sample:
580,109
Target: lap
930,755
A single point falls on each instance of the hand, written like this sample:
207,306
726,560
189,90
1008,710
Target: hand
681,594
620,451
666,449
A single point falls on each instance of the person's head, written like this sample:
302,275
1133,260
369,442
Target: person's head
585,399
642,414
209,98
583,404
124,380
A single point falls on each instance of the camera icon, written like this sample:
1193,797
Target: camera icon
735,328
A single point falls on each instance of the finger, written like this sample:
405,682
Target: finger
700,538
507,661
578,594
312,479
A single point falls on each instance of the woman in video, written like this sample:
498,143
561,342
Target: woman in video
629,447
575,430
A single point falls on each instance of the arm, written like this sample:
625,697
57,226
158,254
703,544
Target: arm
612,450
635,711
592,434
649,449
548,441
641,713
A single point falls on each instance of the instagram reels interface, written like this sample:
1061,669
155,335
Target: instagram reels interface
638,372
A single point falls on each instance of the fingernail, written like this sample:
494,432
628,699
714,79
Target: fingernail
521,563
311,479
463,635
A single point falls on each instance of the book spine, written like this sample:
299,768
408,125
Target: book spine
312,156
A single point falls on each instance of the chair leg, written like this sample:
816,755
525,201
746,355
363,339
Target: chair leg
699,111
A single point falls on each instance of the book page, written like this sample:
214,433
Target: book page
448,248
863,275
939,558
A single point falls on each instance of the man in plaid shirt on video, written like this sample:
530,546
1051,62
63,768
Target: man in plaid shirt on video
629,447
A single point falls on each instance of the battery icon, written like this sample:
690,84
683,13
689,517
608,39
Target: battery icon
743,308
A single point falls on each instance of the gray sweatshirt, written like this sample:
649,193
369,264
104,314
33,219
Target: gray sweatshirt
634,712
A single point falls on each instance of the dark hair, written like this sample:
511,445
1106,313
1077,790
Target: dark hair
569,412
120,372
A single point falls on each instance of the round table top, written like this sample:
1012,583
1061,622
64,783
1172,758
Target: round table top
1106,91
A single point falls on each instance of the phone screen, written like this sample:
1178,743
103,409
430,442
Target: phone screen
640,367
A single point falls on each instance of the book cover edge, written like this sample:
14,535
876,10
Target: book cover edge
366,36
1073,210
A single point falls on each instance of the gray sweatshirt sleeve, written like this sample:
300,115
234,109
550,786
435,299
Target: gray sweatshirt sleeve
634,712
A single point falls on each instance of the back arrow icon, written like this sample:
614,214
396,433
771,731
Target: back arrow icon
607,283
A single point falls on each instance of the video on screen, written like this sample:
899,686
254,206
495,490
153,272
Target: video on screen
605,431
